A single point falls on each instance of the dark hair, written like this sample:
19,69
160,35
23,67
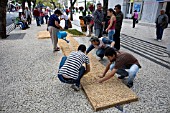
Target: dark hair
58,12
80,17
82,48
118,6
94,39
112,11
135,10
99,4
110,52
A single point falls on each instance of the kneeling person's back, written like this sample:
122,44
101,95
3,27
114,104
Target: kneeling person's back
73,63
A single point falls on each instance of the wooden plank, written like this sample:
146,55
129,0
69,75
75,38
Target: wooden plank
108,94
43,35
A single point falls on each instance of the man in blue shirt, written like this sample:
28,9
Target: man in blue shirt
54,27
100,44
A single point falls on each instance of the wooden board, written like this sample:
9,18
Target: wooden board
43,35
108,94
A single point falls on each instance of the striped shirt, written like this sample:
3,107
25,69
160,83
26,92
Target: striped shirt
73,64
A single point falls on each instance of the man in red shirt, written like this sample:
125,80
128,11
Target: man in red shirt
36,14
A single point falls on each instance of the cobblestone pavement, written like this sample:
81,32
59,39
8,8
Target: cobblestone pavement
28,81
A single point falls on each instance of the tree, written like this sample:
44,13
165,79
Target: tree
105,6
3,5
72,2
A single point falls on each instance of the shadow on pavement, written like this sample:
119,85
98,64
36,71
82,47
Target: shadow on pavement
16,36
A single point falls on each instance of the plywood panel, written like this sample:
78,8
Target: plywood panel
43,35
110,93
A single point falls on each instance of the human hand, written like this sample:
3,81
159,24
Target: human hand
107,30
100,81
101,76
103,23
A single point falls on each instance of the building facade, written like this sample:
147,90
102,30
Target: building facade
148,10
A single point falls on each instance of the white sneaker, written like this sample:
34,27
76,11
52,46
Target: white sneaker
159,40
76,88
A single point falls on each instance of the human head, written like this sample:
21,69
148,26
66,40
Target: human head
162,11
58,12
95,40
135,10
111,54
26,7
110,12
81,17
99,6
117,8
82,48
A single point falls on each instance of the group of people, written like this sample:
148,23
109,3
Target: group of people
71,68
39,15
24,19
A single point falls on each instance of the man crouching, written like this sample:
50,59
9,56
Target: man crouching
71,68
119,61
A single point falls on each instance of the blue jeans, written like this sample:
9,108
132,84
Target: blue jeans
100,52
22,25
37,20
69,80
131,73
99,32
110,34
159,32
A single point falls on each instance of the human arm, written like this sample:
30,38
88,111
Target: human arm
58,25
91,47
87,68
106,70
111,74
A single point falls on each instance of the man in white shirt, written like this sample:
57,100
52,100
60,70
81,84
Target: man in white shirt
65,17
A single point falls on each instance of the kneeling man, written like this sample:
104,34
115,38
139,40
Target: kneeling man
119,61
71,68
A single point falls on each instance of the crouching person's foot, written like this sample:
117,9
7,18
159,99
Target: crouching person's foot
129,84
76,88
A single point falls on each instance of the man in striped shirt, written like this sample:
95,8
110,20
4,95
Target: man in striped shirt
71,68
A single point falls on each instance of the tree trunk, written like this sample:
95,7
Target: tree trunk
71,8
3,4
105,6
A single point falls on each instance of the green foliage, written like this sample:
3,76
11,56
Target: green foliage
75,32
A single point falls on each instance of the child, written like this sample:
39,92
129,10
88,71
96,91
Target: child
82,24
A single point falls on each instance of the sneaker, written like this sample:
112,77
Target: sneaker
130,84
76,88
159,40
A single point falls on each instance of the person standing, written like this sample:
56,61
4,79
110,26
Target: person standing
65,17
98,21
28,16
111,24
46,15
119,61
36,14
71,68
161,24
54,27
135,18
119,20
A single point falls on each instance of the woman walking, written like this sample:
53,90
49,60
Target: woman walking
111,24
135,18
54,27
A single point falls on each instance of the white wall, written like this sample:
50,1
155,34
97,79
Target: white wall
112,3
150,10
